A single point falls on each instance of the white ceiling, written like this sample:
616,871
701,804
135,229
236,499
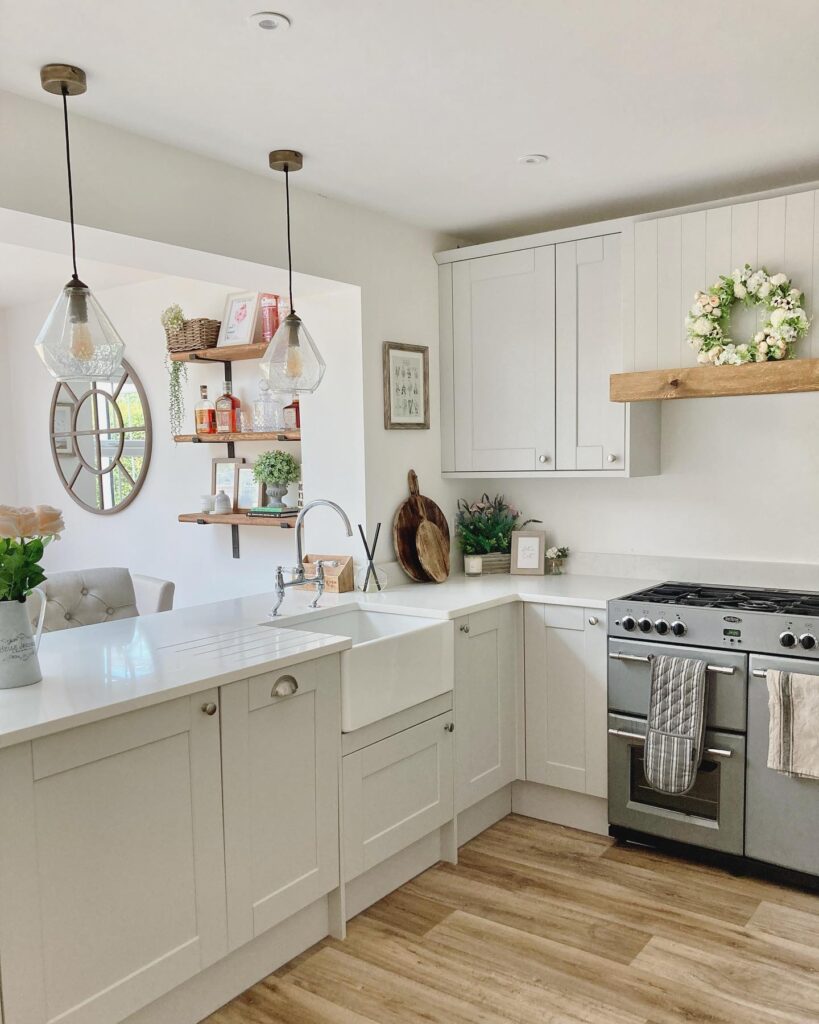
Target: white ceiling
421,108
31,275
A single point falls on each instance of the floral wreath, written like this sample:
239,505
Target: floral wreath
708,322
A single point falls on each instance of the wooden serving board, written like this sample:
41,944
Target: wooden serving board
411,513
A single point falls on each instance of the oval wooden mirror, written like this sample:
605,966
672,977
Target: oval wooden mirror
101,440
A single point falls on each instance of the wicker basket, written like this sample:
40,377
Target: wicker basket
194,334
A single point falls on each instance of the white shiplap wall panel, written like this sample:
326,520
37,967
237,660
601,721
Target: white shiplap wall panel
771,234
692,272
670,311
645,295
812,299
798,263
744,246
717,244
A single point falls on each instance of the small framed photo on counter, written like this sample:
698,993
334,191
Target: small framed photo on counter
241,323
249,492
225,477
406,386
528,553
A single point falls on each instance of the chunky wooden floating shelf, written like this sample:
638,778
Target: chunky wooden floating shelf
790,376
276,435
237,519
226,354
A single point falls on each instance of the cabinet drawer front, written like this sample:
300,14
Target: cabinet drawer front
396,792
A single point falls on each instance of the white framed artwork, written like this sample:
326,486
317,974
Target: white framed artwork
240,320
528,553
406,386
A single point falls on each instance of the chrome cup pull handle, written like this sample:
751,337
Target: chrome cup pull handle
286,686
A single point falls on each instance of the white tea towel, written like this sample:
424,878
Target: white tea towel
793,723
675,733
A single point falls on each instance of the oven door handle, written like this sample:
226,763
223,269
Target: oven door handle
714,751
646,659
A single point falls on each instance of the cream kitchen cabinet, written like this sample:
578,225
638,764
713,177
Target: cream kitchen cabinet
566,708
529,335
112,882
488,667
396,791
281,736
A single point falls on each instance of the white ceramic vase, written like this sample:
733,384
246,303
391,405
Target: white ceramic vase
19,664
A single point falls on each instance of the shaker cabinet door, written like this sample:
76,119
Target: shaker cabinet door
503,368
281,735
112,878
486,693
566,724
590,428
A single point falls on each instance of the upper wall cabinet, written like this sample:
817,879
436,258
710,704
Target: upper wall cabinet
678,255
529,337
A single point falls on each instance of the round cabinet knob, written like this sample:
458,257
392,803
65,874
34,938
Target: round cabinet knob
808,641
209,708
593,620
628,623
787,639
543,458
661,626
679,628
612,458
464,629
645,625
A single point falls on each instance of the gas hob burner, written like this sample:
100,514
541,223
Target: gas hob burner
748,599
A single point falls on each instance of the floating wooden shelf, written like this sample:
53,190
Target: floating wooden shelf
225,354
790,376
237,519
276,435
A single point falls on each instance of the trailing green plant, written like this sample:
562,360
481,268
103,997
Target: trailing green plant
177,378
485,526
276,468
24,534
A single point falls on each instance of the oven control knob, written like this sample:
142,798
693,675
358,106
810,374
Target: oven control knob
628,623
679,628
645,625
807,640
787,639
661,626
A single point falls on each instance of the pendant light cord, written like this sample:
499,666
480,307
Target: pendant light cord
289,249
71,186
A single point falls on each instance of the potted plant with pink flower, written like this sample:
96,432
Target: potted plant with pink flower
484,531
24,535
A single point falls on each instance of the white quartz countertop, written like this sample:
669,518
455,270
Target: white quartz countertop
95,672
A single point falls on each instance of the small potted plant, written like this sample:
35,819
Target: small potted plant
554,560
276,470
484,531
24,534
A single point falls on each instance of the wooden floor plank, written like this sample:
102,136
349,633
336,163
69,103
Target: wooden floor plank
541,924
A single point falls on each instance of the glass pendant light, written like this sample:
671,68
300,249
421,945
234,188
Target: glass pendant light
292,363
77,342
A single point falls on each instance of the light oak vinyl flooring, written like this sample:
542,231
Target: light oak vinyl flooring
540,924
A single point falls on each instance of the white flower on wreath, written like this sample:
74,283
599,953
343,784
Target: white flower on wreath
764,290
778,316
779,279
702,326
740,291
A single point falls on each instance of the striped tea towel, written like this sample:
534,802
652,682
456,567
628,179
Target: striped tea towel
793,723
675,732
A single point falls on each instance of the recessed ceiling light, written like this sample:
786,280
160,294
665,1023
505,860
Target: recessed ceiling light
270,21
533,158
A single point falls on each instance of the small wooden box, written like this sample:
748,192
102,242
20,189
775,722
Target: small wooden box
338,579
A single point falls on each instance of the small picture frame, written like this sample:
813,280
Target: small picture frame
528,553
406,386
225,477
241,323
63,418
249,492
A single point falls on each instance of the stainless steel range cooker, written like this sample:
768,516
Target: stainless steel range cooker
738,805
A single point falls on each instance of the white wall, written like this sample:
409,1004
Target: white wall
146,536
129,184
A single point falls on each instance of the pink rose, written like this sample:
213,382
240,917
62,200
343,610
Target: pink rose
49,521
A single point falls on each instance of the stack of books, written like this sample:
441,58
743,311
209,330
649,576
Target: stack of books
274,513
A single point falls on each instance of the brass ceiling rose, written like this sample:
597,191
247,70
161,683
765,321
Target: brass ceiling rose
56,77
286,160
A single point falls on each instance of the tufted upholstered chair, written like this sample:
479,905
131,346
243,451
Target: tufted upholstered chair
101,595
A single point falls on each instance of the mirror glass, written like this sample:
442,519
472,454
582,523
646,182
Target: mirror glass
101,440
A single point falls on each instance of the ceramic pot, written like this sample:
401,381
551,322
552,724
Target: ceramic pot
473,565
275,493
19,664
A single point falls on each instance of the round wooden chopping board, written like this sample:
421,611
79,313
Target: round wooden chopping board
411,513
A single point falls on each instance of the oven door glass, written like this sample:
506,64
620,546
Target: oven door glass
710,815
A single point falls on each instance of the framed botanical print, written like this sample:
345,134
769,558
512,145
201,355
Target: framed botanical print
528,553
224,477
240,320
248,490
406,386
